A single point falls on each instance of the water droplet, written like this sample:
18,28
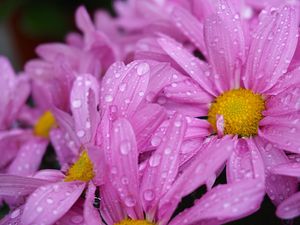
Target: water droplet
80,133
177,123
49,200
108,98
39,209
154,160
114,170
122,87
15,213
149,195
125,180
129,201
76,103
143,68
168,151
77,219
155,141
125,147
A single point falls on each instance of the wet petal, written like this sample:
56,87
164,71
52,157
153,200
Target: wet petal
84,100
224,203
290,208
277,187
272,48
287,169
49,203
225,43
245,162
162,167
29,157
124,166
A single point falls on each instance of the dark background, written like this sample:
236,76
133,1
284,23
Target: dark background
26,23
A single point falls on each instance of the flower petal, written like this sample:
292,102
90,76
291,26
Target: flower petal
124,87
272,48
224,203
206,163
224,38
145,122
193,66
84,100
162,167
12,185
91,215
29,157
287,169
124,167
245,162
277,187
190,26
49,203
289,208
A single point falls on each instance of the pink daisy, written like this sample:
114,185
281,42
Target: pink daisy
245,91
149,192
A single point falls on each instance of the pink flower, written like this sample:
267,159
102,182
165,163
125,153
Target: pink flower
245,91
289,208
155,186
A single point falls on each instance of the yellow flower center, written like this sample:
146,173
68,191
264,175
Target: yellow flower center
241,110
134,222
82,169
44,124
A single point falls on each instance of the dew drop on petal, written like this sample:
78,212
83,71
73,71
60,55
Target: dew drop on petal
77,219
155,141
125,147
76,103
154,160
15,213
149,195
80,133
129,201
143,68
108,98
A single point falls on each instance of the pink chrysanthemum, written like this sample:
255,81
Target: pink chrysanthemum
244,90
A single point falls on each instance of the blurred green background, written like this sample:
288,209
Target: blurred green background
26,23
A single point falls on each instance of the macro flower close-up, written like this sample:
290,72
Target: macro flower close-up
150,112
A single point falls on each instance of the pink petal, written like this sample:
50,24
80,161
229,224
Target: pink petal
83,20
277,187
12,185
84,100
224,203
112,210
124,87
124,166
212,156
67,124
272,48
193,66
50,175
10,143
91,214
97,156
283,103
245,162
163,165
190,26
49,203
145,122
13,218
73,217
289,208
29,157
64,153
224,38
289,79
287,169
187,92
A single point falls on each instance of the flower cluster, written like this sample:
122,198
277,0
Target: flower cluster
144,108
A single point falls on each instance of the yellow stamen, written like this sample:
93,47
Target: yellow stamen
44,124
82,169
134,222
241,110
